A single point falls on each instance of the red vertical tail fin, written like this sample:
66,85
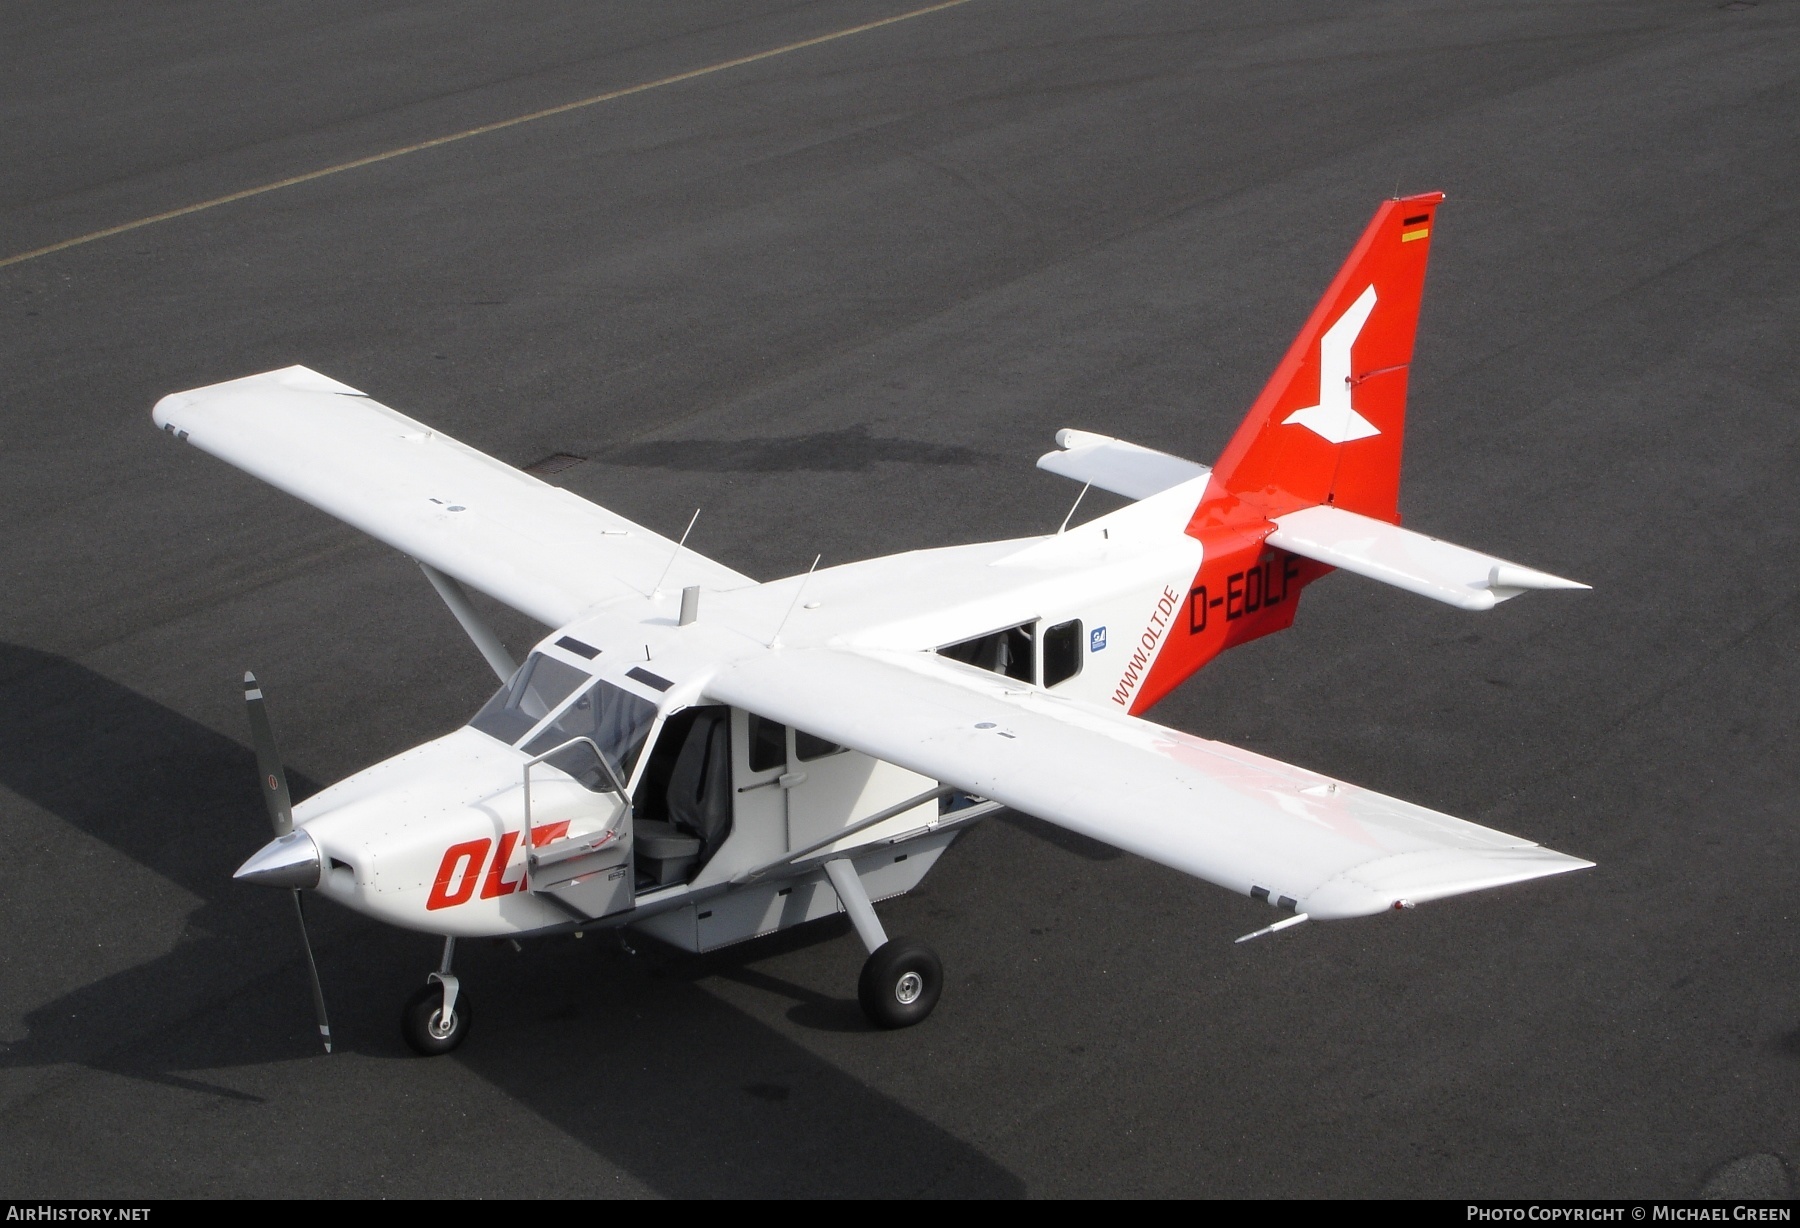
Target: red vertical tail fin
1326,429
1328,426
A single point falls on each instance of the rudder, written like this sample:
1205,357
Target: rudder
1329,425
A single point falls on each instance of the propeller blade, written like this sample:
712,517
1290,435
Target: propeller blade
274,788
268,762
312,969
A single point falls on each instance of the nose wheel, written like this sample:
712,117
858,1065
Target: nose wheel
436,1018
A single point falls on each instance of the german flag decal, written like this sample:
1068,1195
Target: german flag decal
1415,228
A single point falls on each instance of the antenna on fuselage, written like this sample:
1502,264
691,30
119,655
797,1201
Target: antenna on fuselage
678,545
775,640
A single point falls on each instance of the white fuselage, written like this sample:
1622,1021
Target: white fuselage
431,839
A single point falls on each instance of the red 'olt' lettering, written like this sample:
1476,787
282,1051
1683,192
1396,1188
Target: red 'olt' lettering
458,874
491,886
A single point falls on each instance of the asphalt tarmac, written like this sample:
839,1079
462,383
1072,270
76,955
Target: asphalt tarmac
842,297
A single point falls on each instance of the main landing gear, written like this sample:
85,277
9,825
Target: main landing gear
900,983
903,978
436,1019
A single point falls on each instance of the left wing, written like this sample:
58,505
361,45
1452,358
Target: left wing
1240,820
546,552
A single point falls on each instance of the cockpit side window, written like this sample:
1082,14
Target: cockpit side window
532,694
615,719
1006,652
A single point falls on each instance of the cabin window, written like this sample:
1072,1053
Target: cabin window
807,747
616,720
1062,652
533,693
1007,652
768,744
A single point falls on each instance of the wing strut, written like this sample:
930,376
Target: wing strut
498,659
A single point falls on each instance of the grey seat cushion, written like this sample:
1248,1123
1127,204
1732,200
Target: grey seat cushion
662,841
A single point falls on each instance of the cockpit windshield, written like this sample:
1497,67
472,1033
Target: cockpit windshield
532,694
616,720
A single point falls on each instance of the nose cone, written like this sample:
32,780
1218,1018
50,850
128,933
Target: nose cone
286,861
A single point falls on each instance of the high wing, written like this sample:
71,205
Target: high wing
1240,820
543,551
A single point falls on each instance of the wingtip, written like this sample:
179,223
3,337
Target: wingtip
1505,575
160,413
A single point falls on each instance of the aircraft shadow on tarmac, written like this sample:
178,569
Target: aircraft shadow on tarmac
851,450
625,1053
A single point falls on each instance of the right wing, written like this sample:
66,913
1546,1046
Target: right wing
1240,820
545,552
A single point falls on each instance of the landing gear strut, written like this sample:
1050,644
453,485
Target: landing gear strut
436,1018
903,978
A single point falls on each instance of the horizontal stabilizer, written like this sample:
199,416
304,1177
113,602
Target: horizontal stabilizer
1412,561
1112,464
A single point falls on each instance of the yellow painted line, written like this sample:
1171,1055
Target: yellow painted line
496,126
1410,235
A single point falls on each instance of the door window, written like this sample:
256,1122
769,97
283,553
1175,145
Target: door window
768,744
807,747
616,720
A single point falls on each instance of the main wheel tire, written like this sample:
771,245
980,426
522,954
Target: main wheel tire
900,983
422,1024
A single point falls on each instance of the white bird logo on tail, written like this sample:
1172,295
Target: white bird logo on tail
1333,419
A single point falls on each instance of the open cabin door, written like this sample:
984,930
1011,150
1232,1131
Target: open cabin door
579,838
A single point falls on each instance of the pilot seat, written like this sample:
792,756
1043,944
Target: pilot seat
682,811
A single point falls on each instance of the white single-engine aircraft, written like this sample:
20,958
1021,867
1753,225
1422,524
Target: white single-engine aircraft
707,759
